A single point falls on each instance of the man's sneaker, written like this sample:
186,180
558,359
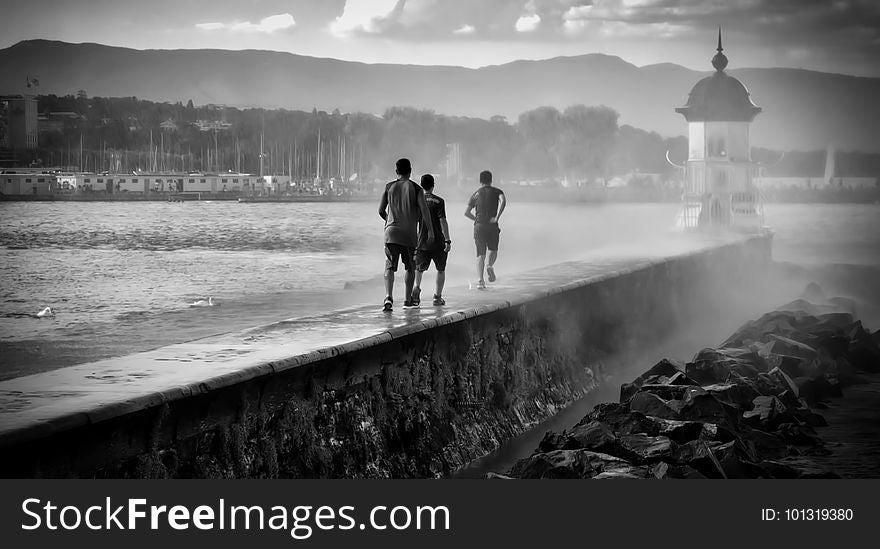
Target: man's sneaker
481,285
408,304
388,305
438,301
491,272
416,297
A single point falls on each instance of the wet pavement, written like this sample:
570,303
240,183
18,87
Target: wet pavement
37,405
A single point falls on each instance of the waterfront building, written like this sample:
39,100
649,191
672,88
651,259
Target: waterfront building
21,121
26,182
168,125
719,187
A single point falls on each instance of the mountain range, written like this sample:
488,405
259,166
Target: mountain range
802,109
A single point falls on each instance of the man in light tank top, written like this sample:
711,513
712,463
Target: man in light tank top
403,208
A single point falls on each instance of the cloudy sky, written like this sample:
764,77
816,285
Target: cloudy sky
829,35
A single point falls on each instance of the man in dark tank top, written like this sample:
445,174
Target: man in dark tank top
485,208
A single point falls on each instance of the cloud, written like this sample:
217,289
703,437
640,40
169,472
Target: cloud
269,24
368,16
527,23
848,30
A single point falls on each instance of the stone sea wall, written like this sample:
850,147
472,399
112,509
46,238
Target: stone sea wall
417,401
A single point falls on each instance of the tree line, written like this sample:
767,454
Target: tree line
580,144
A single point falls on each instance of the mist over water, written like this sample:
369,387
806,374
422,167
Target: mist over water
121,276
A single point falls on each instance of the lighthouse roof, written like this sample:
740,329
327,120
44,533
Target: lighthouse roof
719,97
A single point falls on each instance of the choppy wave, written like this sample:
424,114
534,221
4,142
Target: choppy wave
156,227
230,238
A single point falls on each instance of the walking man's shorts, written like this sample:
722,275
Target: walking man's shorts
424,258
395,252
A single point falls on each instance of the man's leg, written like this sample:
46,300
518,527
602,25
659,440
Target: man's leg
389,282
422,261
493,255
418,282
492,244
409,280
409,263
480,240
441,280
391,258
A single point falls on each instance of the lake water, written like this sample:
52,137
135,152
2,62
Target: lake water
121,276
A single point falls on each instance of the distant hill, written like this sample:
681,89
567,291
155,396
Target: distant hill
802,109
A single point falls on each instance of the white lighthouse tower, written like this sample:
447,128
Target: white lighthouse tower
718,187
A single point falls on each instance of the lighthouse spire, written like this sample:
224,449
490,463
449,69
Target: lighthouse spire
720,60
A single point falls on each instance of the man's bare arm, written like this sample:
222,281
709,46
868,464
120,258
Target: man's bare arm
502,203
444,226
383,206
468,213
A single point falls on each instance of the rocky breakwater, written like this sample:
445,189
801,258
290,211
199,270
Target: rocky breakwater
750,408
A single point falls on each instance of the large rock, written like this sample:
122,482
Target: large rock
784,381
665,470
768,413
785,346
681,432
665,372
716,460
564,464
620,419
650,404
666,391
765,445
552,441
595,436
716,365
739,394
624,471
699,405
793,366
641,448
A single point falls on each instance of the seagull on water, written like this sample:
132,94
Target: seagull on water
204,303
45,312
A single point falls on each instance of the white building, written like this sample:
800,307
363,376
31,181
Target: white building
719,189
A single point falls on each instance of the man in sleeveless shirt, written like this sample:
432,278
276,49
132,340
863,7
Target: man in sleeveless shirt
403,208
485,208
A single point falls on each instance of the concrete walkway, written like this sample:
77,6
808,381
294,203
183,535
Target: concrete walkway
37,405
